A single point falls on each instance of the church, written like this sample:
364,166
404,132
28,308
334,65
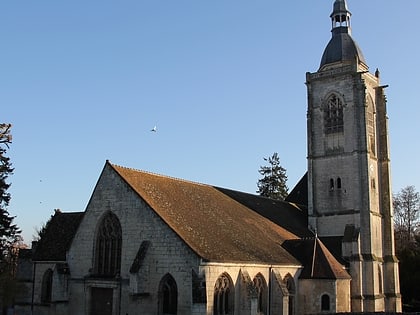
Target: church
152,244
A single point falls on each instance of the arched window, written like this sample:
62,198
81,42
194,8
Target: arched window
223,296
331,183
291,289
325,302
46,290
168,296
108,246
338,183
333,117
261,286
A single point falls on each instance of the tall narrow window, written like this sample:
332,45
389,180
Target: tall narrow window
290,285
108,246
338,183
325,302
223,296
46,293
371,125
261,287
331,183
168,296
334,121
380,279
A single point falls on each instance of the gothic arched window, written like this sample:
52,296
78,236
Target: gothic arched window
291,289
108,246
261,287
333,118
46,289
168,296
325,302
223,296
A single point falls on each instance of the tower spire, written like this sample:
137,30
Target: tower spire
342,48
340,17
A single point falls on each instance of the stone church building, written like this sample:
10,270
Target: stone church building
152,244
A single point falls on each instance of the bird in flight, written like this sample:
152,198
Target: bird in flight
154,129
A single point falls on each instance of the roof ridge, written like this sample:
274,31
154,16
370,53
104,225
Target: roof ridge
159,175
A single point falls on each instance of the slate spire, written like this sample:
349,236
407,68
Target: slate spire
342,47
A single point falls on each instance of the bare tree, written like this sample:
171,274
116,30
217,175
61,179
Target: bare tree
406,214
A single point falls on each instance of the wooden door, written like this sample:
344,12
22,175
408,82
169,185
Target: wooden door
101,301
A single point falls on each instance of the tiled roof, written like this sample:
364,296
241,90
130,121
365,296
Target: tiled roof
288,215
334,245
318,262
299,193
58,236
212,223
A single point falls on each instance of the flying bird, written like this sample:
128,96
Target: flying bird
154,129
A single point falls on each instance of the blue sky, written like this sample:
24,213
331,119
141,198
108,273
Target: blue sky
223,81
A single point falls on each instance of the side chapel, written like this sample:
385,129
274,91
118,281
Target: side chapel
152,244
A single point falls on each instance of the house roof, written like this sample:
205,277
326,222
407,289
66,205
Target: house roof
318,262
58,235
210,221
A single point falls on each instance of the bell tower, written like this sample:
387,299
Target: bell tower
349,184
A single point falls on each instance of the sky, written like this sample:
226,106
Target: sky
223,81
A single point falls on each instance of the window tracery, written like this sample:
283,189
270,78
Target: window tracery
261,287
108,246
223,296
333,116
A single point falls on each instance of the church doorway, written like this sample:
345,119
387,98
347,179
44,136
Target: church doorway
101,301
